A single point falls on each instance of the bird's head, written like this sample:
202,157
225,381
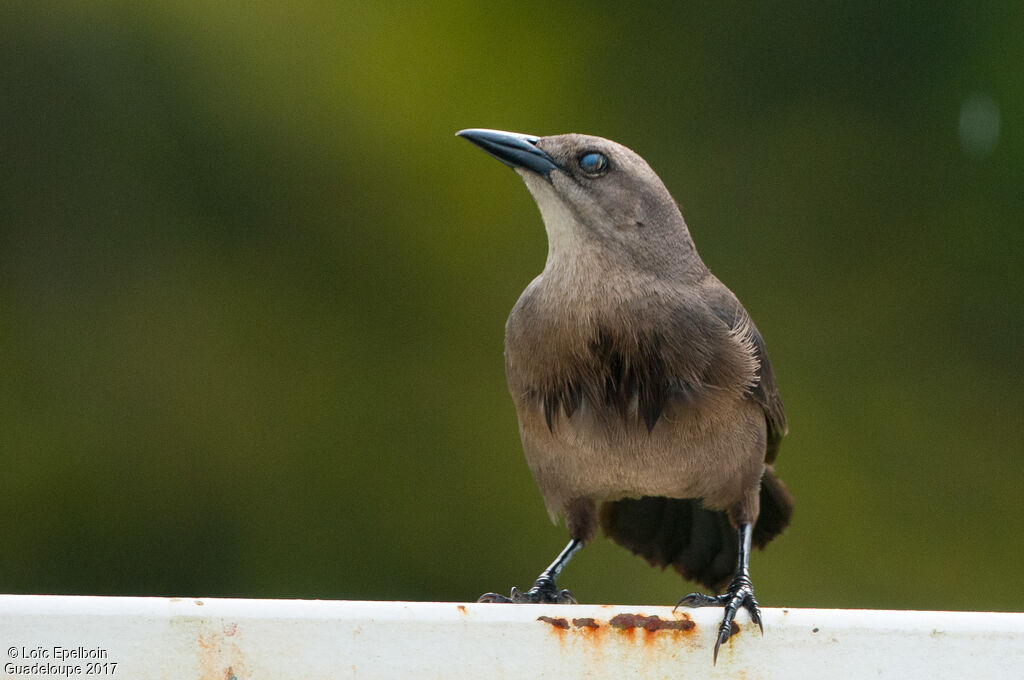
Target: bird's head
595,193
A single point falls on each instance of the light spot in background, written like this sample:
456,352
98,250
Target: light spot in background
979,125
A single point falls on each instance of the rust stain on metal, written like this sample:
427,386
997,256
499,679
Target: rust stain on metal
557,622
625,626
230,629
220,657
586,623
651,624
461,608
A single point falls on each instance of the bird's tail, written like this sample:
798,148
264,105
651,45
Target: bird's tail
700,543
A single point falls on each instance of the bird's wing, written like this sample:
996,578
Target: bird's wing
765,392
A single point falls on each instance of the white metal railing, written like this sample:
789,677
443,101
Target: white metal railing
223,639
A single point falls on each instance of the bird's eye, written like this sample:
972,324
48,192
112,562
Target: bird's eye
594,163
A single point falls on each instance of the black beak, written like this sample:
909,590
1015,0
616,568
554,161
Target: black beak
512,149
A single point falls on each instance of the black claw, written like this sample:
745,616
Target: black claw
755,614
700,600
565,597
544,589
724,633
542,592
740,594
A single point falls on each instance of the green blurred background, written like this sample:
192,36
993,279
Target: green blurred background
252,288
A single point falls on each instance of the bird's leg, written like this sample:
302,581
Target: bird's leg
740,593
544,588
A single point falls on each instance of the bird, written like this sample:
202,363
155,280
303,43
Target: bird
646,402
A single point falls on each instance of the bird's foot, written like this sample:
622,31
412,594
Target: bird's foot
542,592
740,593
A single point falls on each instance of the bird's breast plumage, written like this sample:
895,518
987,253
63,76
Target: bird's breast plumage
626,358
